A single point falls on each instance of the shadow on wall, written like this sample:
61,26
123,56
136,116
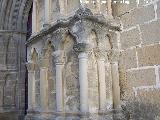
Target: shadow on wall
8,116
135,109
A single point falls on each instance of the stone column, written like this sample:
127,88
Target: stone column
102,83
101,74
83,80
47,12
62,5
44,84
34,17
59,60
83,76
31,85
115,78
109,8
109,100
99,6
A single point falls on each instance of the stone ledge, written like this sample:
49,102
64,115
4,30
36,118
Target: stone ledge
80,15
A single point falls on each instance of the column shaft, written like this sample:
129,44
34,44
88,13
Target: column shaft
109,8
109,88
34,17
31,90
116,87
102,83
59,87
62,6
44,88
99,5
47,11
83,80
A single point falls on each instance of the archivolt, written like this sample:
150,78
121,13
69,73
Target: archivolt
14,14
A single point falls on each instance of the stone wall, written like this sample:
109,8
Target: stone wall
13,22
140,57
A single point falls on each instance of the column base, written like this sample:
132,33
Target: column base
108,115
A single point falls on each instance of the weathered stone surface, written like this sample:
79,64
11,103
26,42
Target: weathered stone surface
150,32
149,55
158,9
151,95
142,77
145,105
119,8
144,2
133,18
128,58
9,116
130,38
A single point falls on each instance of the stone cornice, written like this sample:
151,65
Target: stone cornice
80,15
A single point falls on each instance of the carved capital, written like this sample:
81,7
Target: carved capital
114,55
81,47
59,56
100,54
43,63
30,66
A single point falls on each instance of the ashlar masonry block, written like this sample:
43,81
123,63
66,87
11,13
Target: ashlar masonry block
149,55
143,77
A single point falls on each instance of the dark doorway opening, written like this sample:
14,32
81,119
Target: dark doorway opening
29,32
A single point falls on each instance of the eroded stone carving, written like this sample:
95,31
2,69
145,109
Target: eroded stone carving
80,62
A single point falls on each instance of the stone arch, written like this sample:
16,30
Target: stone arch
48,48
34,55
93,39
13,27
5,14
66,36
104,38
24,11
